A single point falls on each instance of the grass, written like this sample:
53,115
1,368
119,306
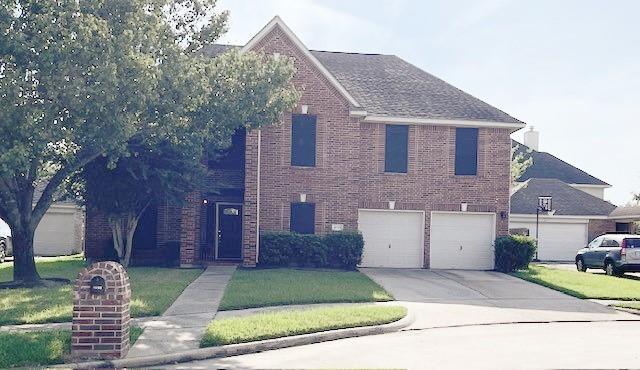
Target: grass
40,347
274,287
295,322
630,304
583,285
153,290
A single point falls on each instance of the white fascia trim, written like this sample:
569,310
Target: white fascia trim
628,218
442,122
358,113
277,21
595,186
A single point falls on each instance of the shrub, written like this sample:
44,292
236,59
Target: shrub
344,249
336,250
513,252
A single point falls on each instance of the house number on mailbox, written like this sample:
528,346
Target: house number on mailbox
97,285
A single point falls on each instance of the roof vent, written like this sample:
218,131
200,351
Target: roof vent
532,138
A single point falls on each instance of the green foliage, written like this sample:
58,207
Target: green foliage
272,287
295,322
84,79
514,252
519,163
335,250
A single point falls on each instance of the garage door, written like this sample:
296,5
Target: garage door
55,234
462,240
558,241
392,238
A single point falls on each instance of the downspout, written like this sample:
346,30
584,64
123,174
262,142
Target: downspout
258,197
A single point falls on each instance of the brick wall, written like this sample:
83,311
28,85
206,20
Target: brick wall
349,172
599,227
101,322
97,233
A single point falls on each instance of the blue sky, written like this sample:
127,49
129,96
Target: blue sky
569,68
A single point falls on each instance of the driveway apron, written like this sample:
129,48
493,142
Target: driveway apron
181,327
445,298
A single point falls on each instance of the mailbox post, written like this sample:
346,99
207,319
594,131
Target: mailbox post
101,317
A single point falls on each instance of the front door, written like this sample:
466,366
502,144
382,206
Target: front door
229,231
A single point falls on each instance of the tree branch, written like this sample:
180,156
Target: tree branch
46,199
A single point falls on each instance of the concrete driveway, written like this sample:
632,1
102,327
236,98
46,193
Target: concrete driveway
448,298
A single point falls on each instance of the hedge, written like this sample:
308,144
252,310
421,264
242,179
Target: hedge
342,250
514,252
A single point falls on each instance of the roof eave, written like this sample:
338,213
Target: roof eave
514,126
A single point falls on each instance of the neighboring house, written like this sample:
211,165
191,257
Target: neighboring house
61,230
420,167
578,211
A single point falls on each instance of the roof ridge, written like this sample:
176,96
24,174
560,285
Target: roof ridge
351,53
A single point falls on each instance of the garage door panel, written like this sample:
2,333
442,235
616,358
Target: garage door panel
558,241
462,241
402,231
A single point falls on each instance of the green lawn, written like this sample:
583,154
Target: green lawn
273,287
295,322
153,290
583,285
40,347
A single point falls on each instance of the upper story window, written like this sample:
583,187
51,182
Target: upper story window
395,148
466,151
303,140
303,218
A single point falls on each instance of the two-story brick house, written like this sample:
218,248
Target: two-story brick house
375,144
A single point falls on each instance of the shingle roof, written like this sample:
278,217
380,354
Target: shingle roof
626,212
386,85
566,200
546,166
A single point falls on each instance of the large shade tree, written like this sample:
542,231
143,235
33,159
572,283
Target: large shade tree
82,79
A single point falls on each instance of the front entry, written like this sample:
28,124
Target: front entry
228,240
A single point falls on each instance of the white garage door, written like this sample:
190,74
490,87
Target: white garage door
558,241
56,234
392,238
462,240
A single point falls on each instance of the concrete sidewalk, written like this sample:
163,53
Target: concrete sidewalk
183,324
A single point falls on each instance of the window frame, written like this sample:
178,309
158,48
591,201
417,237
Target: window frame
298,159
390,150
298,206
460,168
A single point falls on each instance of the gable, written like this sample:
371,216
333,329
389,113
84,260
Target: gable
276,29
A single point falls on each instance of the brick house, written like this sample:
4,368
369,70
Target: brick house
420,167
578,209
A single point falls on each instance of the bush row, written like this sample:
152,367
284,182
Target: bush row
341,250
514,252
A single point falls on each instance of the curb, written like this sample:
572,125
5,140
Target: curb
245,348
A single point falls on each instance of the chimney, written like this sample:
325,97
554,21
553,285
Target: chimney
532,138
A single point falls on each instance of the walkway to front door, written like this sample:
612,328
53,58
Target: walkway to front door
183,324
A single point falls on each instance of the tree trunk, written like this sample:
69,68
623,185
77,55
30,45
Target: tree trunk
132,224
123,229
24,264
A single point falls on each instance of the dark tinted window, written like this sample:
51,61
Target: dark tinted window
303,217
466,151
633,243
395,148
608,243
303,140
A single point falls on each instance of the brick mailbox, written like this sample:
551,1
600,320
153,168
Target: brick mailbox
101,317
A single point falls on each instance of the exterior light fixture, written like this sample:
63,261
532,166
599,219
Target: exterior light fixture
204,201
304,109
392,204
303,198
464,206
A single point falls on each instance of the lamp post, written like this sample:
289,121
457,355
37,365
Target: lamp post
544,205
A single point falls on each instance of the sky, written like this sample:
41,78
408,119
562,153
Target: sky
569,68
